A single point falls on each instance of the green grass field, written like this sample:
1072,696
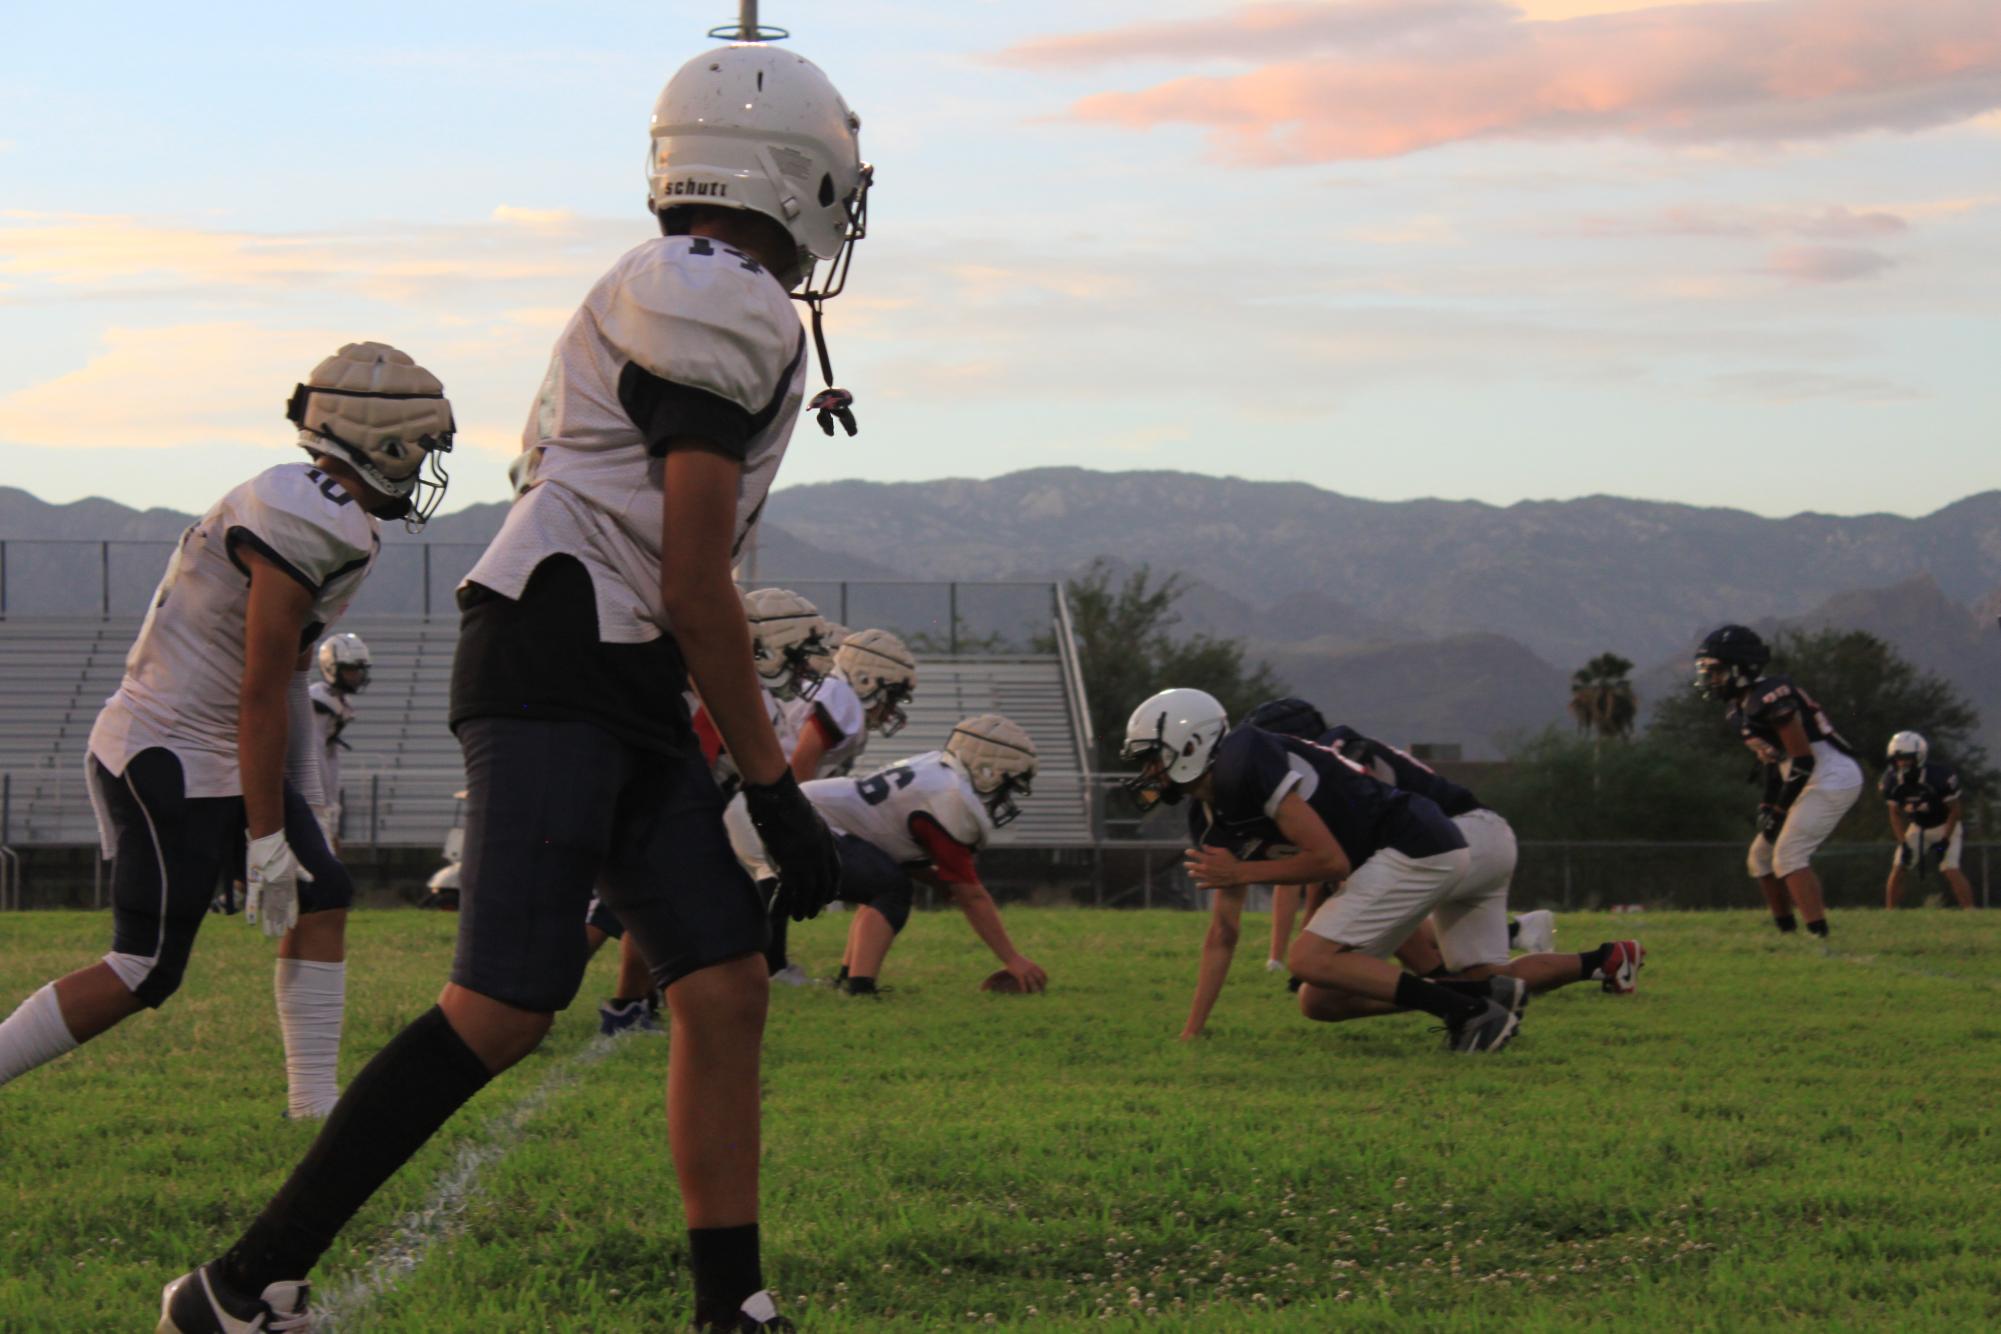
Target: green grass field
1765,1136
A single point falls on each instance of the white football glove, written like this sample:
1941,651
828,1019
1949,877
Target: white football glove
272,877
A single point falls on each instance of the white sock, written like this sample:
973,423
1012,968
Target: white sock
311,997
33,1035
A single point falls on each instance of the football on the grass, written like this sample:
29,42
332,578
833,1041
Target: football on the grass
1002,981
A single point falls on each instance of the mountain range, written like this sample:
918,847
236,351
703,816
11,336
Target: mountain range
1432,620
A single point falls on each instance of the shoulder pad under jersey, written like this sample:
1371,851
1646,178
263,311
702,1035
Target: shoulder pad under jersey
301,520
689,311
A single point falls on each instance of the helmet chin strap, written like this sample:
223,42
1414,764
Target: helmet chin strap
830,404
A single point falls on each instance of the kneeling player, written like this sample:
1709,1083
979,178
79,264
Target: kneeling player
1811,778
210,733
928,817
1925,817
1469,936
1273,809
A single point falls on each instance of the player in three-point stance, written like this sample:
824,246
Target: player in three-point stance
661,424
343,662
1811,778
1269,809
1924,816
926,818
210,734
1469,937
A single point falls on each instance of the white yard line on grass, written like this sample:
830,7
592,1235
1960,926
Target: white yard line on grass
443,1211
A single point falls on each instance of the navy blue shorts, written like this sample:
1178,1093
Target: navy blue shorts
872,877
557,808
171,849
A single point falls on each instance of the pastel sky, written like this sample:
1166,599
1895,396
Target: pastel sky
1730,253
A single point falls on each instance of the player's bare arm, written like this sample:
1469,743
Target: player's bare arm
698,497
1219,946
984,917
272,623
812,747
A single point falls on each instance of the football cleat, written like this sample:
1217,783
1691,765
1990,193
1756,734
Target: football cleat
1536,932
632,1017
1621,973
201,1303
760,1313
792,975
1274,965
1491,1030
1509,991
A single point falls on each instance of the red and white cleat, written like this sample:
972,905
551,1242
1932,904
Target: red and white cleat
1621,973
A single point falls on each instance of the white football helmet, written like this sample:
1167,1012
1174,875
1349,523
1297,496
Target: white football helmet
832,635
883,671
998,756
1908,746
784,635
1172,738
344,652
376,410
753,126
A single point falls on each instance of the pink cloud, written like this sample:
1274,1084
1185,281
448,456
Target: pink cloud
1834,223
1260,32
1826,263
1775,71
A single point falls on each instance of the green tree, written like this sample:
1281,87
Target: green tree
1557,785
1602,701
1127,651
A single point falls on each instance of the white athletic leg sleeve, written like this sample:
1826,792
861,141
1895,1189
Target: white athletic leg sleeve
311,997
33,1035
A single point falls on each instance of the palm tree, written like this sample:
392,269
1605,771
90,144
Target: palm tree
1603,703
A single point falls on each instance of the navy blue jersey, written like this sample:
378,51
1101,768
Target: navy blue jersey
1255,770
1398,769
1924,795
1766,706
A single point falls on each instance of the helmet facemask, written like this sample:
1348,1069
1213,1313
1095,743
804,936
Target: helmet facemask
1151,786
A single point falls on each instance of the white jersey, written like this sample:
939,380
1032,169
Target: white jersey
698,340
843,720
880,808
185,671
332,712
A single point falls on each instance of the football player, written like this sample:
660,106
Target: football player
1469,937
210,734
1269,809
663,419
1924,816
343,663
874,674
1811,778
926,817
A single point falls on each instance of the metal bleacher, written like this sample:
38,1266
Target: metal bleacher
400,777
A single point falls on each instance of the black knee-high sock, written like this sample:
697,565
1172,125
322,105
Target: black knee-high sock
398,1101
727,1270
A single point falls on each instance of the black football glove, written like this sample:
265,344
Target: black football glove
1935,854
1903,854
1771,819
798,844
